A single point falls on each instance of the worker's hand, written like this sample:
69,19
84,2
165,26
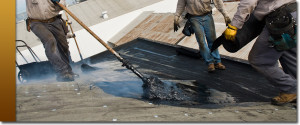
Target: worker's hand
176,23
54,1
230,32
227,20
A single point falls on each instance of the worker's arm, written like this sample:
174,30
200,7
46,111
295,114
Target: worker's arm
180,8
245,8
220,6
63,2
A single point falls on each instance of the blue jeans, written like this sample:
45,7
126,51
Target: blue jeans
204,27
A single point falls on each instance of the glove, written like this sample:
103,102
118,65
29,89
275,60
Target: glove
227,20
176,23
54,1
230,32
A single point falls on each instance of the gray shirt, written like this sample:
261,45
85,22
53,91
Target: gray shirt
42,9
199,7
260,9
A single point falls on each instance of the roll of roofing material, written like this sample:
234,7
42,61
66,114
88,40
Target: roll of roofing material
250,30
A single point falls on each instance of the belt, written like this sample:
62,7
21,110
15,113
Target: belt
45,21
210,12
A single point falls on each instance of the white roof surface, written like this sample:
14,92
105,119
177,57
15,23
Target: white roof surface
88,45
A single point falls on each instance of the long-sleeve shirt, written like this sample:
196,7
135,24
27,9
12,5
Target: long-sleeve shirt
42,9
260,9
199,7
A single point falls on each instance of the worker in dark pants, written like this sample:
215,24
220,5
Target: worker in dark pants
202,22
276,42
47,25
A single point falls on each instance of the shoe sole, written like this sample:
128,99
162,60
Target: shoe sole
66,81
211,71
220,69
281,104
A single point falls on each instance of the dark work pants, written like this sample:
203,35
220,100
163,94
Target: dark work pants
265,59
55,43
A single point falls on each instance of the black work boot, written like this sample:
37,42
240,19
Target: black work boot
65,77
75,75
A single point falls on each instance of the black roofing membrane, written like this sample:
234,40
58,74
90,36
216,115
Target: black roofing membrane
185,80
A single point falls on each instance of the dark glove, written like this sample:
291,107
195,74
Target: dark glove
54,1
176,23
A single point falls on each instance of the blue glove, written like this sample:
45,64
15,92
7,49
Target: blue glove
54,1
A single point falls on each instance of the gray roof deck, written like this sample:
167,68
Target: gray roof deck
114,94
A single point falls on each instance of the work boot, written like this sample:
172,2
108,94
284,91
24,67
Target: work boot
65,77
283,98
220,66
211,67
75,75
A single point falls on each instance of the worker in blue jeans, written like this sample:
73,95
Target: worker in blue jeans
203,25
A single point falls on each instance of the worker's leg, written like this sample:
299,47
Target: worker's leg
210,33
62,43
288,61
41,30
265,60
200,36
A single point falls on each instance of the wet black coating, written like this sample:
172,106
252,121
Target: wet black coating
238,83
157,89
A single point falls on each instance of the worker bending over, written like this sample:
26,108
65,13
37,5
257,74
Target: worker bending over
276,42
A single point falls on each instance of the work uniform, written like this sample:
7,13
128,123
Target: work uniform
263,57
203,24
45,24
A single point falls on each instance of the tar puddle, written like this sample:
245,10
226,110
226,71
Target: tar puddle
170,92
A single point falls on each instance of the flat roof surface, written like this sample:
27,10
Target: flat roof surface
114,94
239,80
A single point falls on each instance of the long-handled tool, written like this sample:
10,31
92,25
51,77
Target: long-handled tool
84,67
148,82
74,37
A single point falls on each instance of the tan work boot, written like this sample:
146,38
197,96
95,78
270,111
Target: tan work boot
283,98
220,66
211,67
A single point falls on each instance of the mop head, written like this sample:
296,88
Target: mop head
185,92
156,89
87,68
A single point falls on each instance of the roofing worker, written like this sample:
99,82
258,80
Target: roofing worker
47,25
276,42
203,25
